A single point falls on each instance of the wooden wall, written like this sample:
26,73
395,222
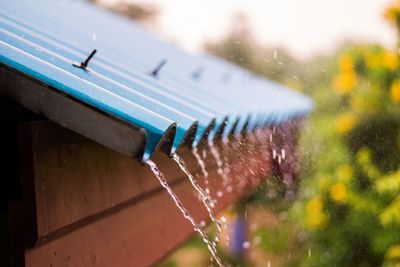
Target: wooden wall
86,205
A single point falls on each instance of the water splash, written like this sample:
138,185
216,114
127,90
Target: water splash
217,158
265,145
205,198
203,170
215,153
161,178
200,161
274,154
226,169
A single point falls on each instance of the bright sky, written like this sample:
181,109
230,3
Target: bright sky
304,27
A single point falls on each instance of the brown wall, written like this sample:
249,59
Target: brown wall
95,207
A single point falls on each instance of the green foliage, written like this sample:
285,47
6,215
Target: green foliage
348,209
276,241
354,172
349,199
379,132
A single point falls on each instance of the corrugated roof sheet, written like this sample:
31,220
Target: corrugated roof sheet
43,39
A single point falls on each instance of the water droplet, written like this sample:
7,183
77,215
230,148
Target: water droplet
215,153
223,219
204,154
229,189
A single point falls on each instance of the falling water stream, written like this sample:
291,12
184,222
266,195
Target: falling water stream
259,143
200,162
205,198
161,178
203,170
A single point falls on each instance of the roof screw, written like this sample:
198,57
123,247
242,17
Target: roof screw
196,75
83,65
157,69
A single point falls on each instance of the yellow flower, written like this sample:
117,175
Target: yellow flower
391,60
391,214
315,205
339,193
395,91
345,82
389,183
316,218
346,63
393,252
373,60
344,172
392,12
345,123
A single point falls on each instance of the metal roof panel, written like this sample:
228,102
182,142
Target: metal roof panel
188,98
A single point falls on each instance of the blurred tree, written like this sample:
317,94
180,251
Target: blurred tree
348,211
350,201
350,197
144,13
241,48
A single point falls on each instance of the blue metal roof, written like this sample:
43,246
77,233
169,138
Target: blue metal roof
43,39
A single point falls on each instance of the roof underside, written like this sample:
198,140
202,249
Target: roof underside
118,100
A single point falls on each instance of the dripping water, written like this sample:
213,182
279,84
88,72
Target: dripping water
214,151
203,170
203,195
200,162
161,178
226,168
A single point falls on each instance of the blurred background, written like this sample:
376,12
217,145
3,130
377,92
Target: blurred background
345,55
